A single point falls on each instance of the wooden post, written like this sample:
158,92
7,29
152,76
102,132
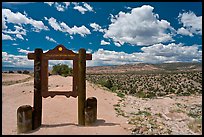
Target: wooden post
24,119
75,76
81,86
37,112
92,103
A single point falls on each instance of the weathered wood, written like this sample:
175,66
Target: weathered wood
24,119
41,80
54,93
75,77
37,113
44,73
59,53
59,57
92,102
89,116
81,86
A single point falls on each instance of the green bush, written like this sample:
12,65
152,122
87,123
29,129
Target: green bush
140,94
106,83
62,69
119,94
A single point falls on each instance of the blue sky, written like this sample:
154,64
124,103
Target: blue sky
114,32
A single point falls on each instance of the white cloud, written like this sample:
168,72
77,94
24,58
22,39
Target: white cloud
104,42
96,27
16,60
139,27
49,3
80,9
191,22
18,30
6,37
51,39
63,27
53,23
4,24
19,36
66,4
89,51
80,30
14,44
88,7
24,51
128,7
117,44
157,53
60,6
18,18
184,31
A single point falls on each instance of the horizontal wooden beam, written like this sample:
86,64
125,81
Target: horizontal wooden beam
54,93
31,56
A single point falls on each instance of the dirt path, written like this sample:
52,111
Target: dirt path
60,113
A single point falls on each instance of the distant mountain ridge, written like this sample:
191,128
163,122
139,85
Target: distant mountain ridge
178,66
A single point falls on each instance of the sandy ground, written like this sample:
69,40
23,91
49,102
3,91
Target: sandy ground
13,77
59,114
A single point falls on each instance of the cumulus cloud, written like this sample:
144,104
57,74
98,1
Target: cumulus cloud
82,9
139,27
49,3
53,23
18,32
24,51
104,42
184,31
4,24
63,27
16,60
191,22
157,53
50,39
19,36
96,27
88,7
60,6
20,19
6,37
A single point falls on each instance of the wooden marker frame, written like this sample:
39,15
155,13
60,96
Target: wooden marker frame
41,79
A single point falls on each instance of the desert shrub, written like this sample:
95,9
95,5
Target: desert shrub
11,71
108,84
140,94
19,71
150,95
119,94
114,88
62,69
26,72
